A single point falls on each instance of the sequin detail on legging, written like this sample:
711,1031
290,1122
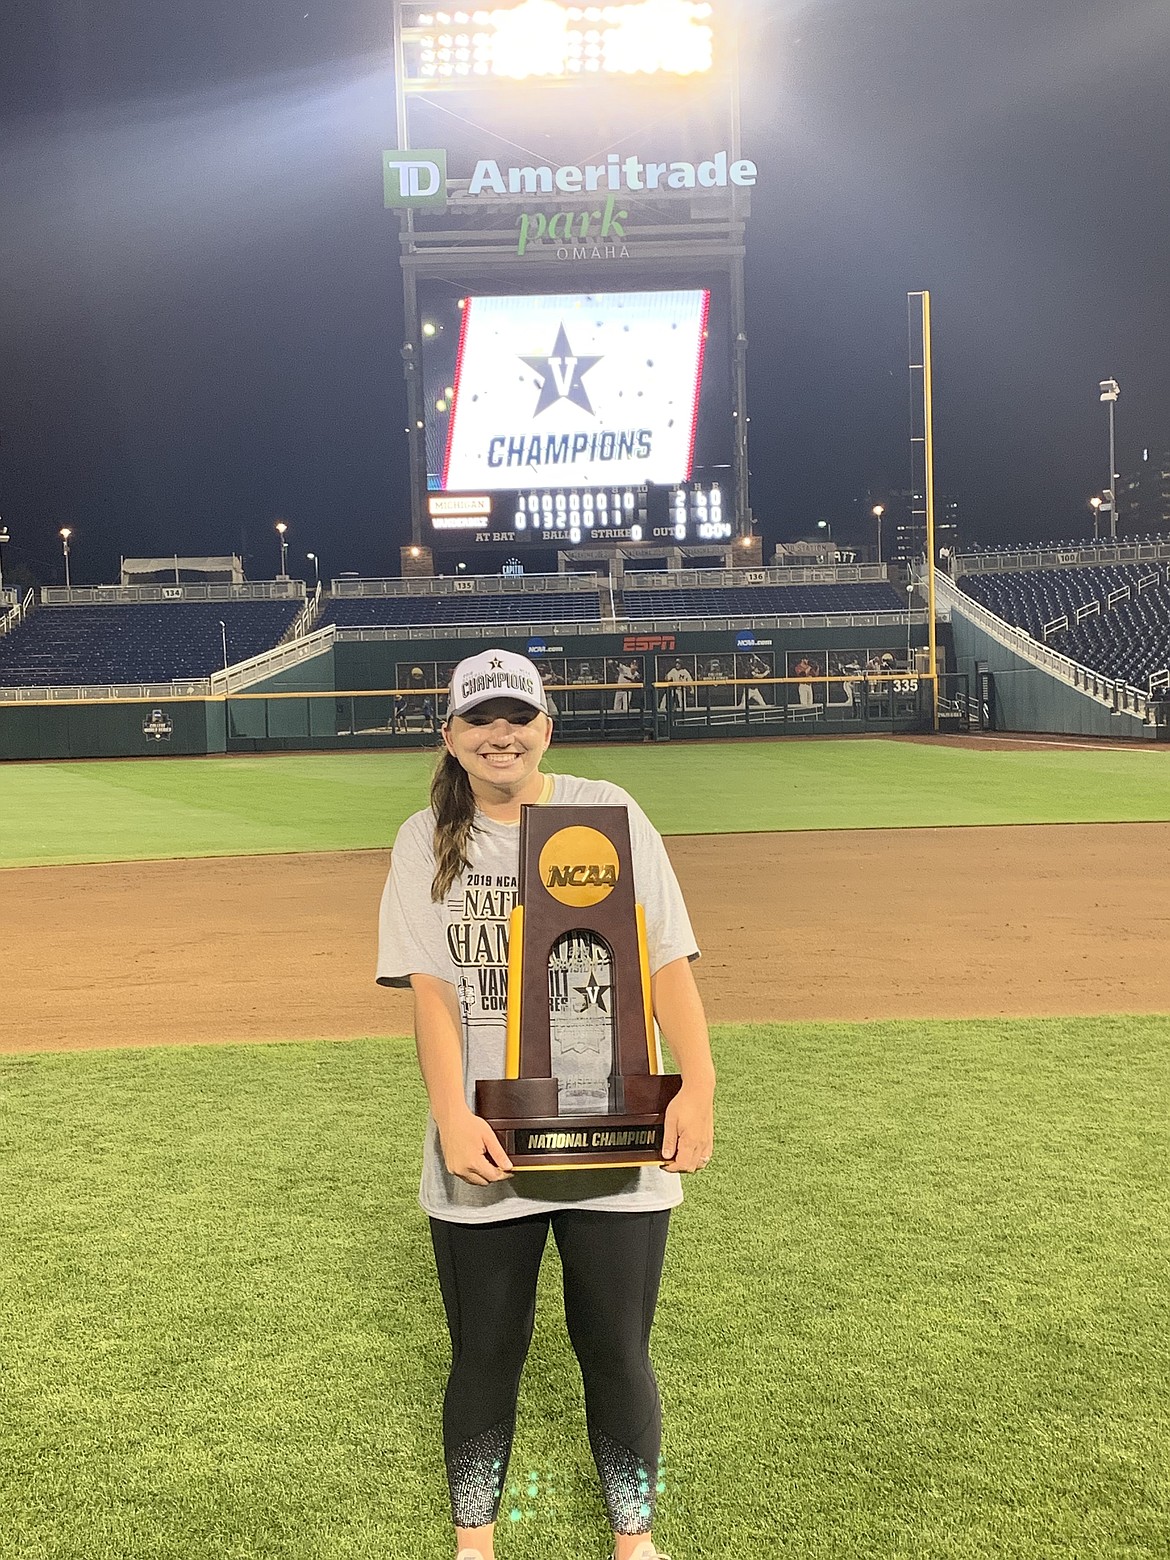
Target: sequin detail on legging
628,1485
475,1475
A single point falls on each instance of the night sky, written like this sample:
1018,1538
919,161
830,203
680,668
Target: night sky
200,307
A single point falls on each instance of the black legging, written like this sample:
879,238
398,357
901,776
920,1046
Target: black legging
487,1272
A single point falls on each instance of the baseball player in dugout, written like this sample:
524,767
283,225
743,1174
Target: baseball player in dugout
444,921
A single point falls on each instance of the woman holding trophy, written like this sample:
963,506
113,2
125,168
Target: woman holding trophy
444,933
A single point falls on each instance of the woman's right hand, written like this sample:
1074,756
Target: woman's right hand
472,1151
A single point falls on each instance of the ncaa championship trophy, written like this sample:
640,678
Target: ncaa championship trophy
583,1088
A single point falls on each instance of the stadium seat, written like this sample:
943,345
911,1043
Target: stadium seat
1127,642
76,646
439,611
746,601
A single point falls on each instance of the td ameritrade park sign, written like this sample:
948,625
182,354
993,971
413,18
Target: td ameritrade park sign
419,179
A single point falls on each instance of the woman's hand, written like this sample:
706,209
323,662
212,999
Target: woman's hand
690,1129
472,1151
690,1116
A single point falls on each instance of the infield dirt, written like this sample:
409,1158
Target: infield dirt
918,923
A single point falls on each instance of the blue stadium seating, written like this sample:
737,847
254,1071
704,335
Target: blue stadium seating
441,611
1127,641
1129,539
748,601
139,643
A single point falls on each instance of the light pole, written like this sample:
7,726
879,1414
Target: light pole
826,527
909,623
282,532
65,533
1095,505
312,557
878,511
4,537
223,636
1110,390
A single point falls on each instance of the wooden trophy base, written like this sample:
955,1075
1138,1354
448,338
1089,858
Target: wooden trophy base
536,1137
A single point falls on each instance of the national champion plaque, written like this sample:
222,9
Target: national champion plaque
583,1088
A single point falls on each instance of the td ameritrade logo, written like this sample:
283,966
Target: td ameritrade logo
415,178
419,178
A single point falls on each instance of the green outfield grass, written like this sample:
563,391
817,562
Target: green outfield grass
916,1309
131,809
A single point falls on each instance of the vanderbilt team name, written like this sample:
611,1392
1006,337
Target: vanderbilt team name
567,449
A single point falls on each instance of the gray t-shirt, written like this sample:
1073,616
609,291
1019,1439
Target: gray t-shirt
464,940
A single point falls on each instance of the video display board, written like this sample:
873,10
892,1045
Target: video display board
588,389
586,413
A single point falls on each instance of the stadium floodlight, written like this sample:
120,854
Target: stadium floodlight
65,533
282,531
545,40
1110,390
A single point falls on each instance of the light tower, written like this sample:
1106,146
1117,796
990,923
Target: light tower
1110,391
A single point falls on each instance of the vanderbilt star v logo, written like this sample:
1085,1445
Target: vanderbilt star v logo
561,374
592,994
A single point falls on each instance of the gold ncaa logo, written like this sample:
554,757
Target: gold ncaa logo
579,866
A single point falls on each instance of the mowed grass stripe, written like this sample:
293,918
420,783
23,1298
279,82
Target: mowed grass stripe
134,809
917,1307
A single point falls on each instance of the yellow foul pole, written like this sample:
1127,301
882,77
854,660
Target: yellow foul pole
928,435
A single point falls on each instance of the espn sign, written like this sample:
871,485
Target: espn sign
649,642
415,178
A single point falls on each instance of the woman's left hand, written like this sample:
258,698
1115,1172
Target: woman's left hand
690,1130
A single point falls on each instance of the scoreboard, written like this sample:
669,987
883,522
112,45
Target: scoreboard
691,514
576,419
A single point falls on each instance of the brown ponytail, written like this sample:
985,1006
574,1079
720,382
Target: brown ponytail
453,804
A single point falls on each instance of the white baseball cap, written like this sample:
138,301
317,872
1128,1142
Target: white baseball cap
495,674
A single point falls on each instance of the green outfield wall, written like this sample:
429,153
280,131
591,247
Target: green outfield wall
139,728
319,704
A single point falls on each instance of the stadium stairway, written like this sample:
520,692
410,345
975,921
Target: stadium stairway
1126,638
